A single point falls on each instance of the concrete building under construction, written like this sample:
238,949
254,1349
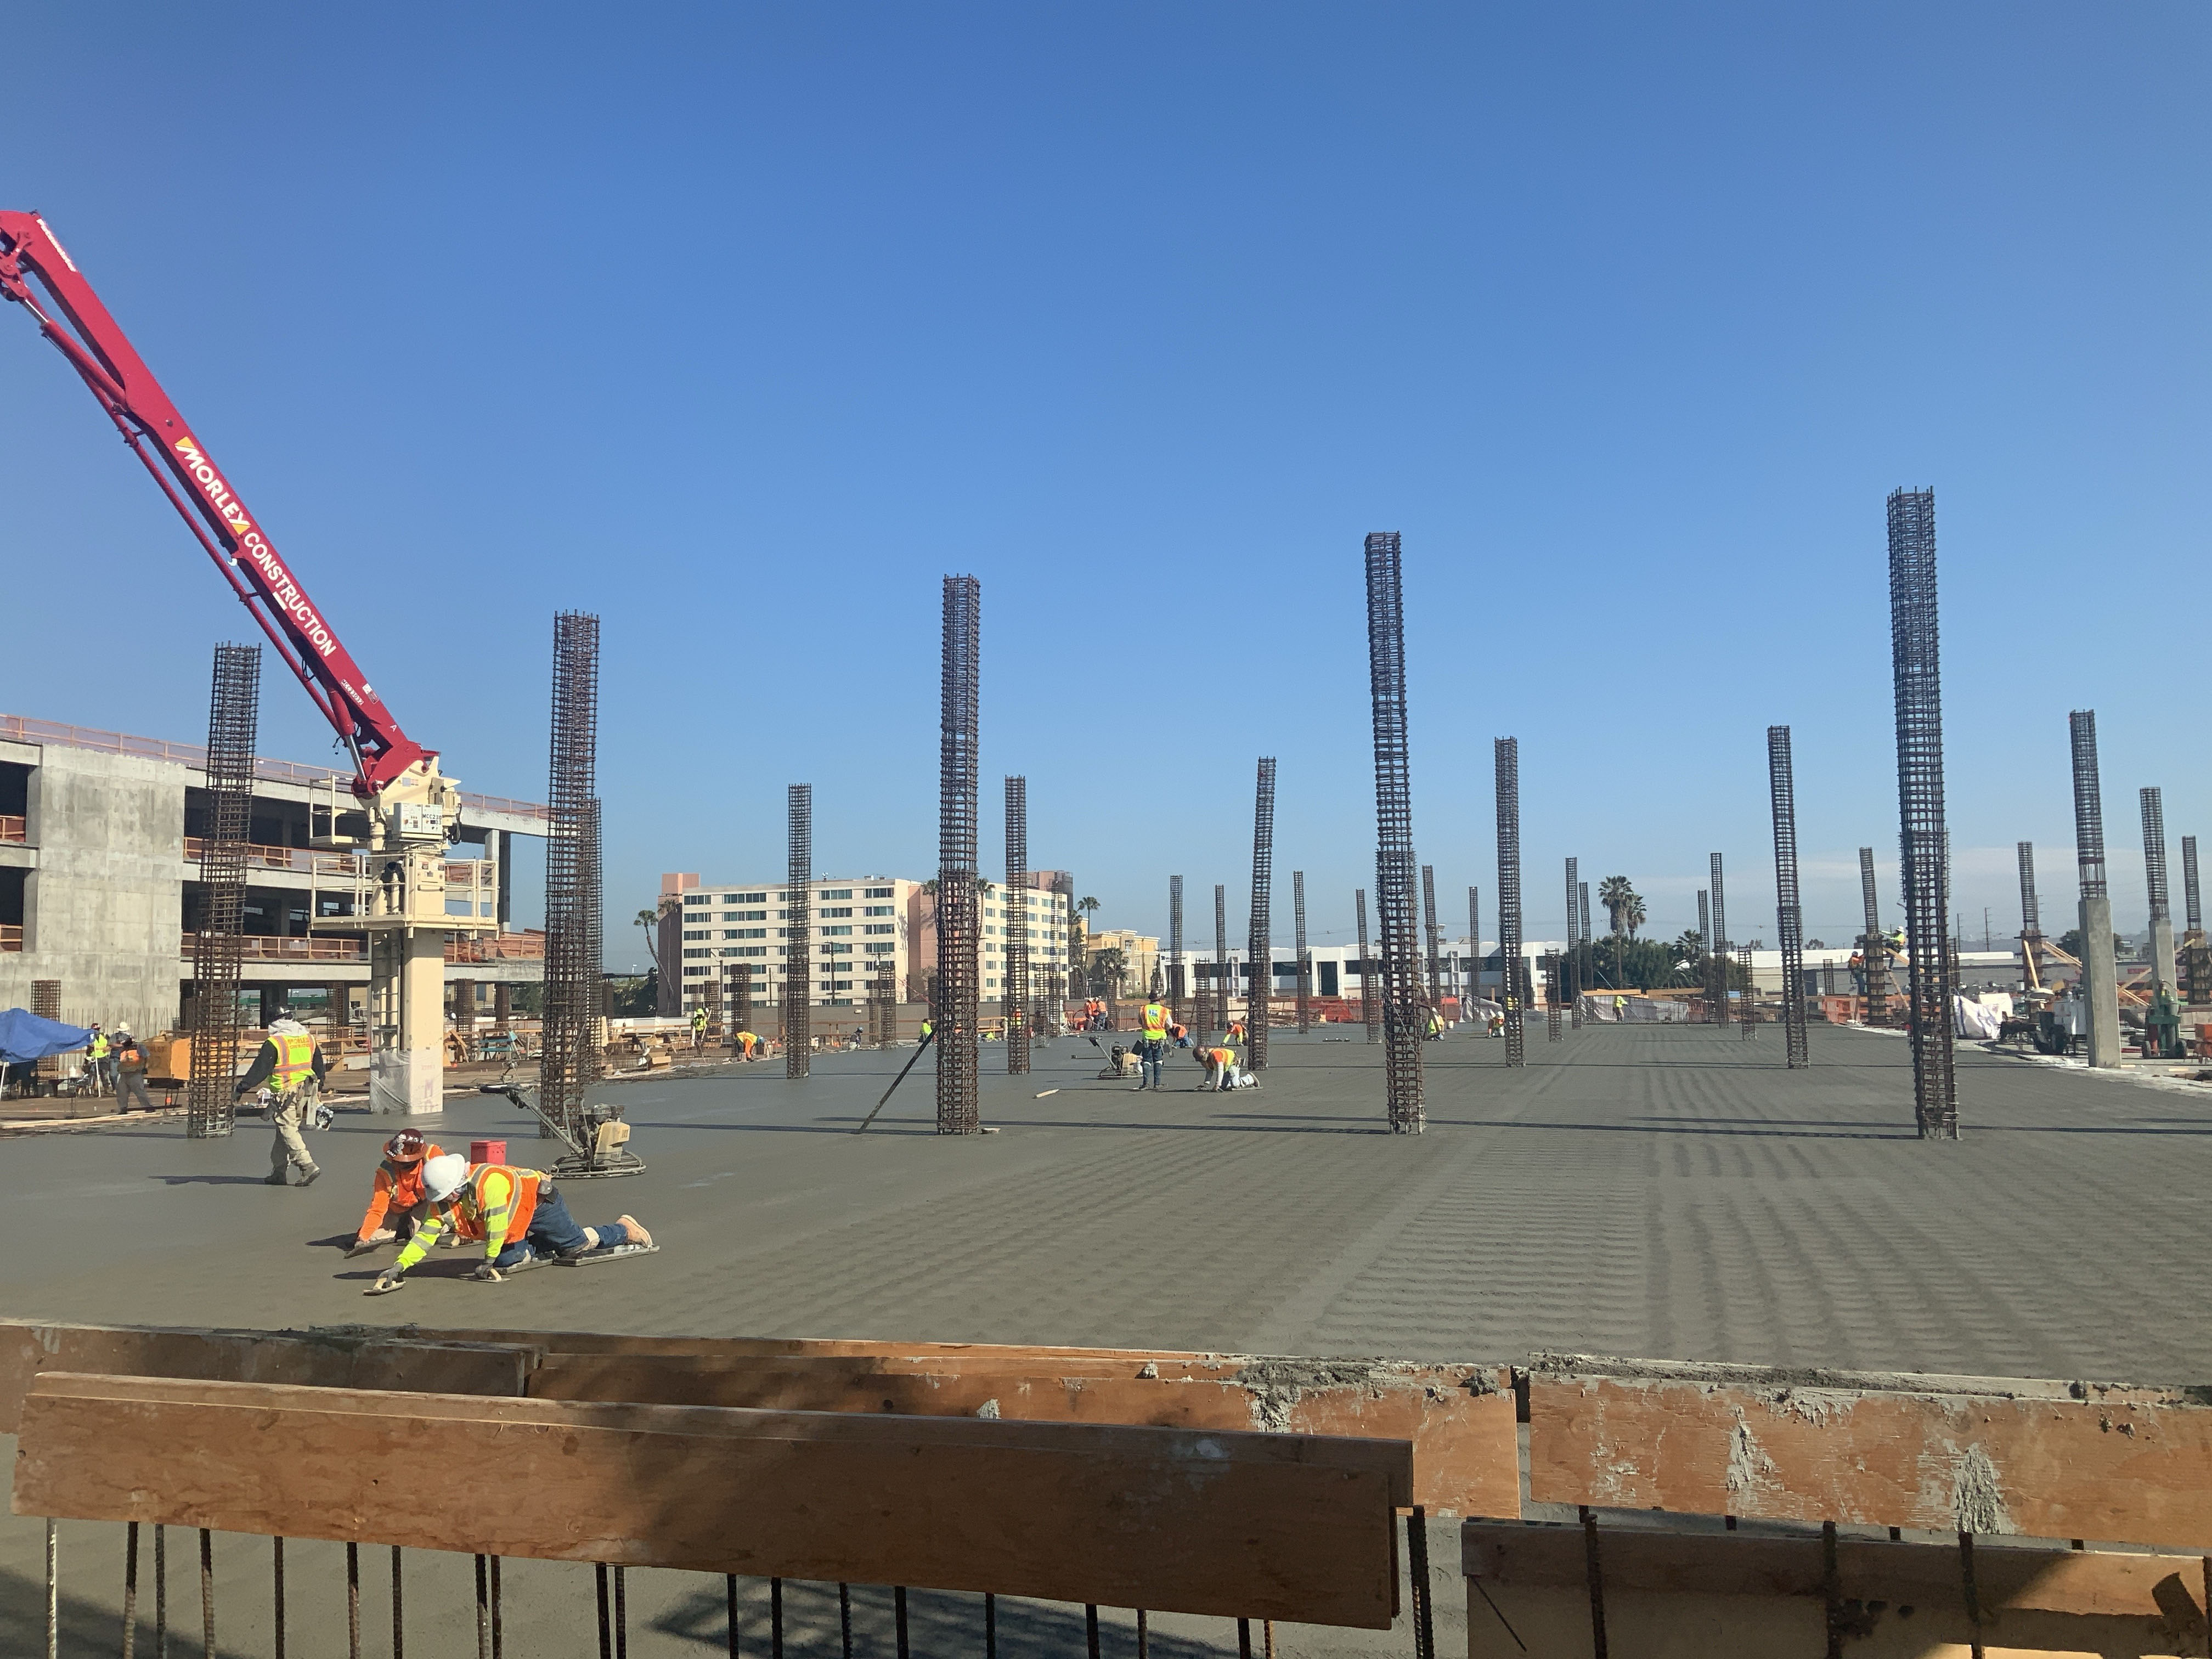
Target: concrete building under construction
99,891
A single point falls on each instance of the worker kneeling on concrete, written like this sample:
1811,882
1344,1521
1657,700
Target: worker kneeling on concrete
398,1194
521,1215
1220,1068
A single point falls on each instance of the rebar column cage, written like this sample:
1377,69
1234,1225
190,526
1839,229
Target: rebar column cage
218,946
1015,913
1260,950
569,1047
1474,931
1706,919
2153,827
1750,990
1582,967
1305,957
883,1006
1435,962
1573,982
1788,913
1874,955
1923,840
1720,939
1220,956
2191,897
1507,757
960,1110
1370,1007
1394,835
740,998
1177,989
798,956
2089,804
2031,908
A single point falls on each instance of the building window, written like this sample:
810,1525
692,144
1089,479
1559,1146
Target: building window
745,915
698,898
701,934
835,910
880,892
838,950
879,927
836,932
695,973
687,955
744,898
879,910
744,950
744,933
835,893
878,950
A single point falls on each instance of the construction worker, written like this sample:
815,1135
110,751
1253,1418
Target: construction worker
1152,1045
517,1212
397,1191
747,1041
698,1028
291,1063
1236,1032
96,1063
1436,1025
1220,1068
129,1071
928,1030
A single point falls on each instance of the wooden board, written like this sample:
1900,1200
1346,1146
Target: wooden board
371,1358
1674,1595
2028,1456
1259,1526
1459,1418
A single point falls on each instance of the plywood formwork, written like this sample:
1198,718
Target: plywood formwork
1234,1524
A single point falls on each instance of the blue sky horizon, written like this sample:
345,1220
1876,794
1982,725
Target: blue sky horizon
742,326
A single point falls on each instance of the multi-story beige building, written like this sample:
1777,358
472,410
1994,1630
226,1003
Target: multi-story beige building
859,926
1045,919
1141,957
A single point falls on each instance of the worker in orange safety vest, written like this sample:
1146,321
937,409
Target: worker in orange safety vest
517,1212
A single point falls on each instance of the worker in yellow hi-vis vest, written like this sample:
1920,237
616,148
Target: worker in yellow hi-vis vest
291,1063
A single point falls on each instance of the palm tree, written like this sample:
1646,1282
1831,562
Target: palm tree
650,920
1622,904
1690,948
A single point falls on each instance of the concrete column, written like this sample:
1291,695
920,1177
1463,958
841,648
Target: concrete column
272,999
503,1006
2100,985
406,1064
501,846
2163,967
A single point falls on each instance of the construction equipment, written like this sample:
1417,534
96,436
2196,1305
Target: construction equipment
2162,1027
401,811
602,1150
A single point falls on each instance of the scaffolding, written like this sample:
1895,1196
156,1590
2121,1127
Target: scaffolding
1177,987
1304,957
1789,913
959,1107
799,960
1394,827
1507,758
1015,959
1371,1007
1923,841
1260,949
569,1056
1873,950
218,944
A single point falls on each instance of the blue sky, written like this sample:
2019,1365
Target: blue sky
742,326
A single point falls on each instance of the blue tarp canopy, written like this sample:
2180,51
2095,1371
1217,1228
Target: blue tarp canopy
25,1037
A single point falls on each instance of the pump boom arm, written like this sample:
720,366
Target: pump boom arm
80,327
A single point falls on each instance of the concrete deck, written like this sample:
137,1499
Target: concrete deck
1651,1191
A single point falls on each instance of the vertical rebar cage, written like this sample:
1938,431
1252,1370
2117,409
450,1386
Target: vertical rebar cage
2153,829
799,952
1260,948
2191,897
1304,958
958,935
2031,908
1788,913
1015,959
2089,804
1394,835
1507,759
1436,963
218,943
1474,943
1572,979
1220,956
1371,1005
1874,954
568,1043
1923,844
1178,988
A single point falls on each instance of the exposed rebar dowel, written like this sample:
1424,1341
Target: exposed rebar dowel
1394,835
798,956
1874,953
218,945
2153,828
1220,956
1507,756
1924,844
568,1046
1436,961
1014,961
959,938
1304,957
2192,900
1178,986
1789,913
1371,1005
1260,948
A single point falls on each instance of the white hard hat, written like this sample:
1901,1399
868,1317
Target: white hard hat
444,1175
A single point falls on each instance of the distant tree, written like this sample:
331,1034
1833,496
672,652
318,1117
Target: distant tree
2070,942
1642,964
634,996
1690,948
650,920
1815,945
1109,969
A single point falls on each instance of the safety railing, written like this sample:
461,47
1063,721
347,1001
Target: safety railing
277,947
15,828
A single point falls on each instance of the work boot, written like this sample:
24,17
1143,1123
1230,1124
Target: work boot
309,1179
635,1229
274,1178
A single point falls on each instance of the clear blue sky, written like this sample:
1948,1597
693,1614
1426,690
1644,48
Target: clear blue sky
742,326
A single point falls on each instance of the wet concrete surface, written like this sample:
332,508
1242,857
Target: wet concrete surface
1657,1191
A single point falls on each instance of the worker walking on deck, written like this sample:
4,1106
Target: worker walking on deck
398,1193
96,1062
517,1212
1152,1046
130,1072
291,1063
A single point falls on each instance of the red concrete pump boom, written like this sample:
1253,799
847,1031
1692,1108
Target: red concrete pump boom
149,422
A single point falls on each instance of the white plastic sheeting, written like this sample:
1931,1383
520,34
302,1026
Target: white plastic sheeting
1634,1010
